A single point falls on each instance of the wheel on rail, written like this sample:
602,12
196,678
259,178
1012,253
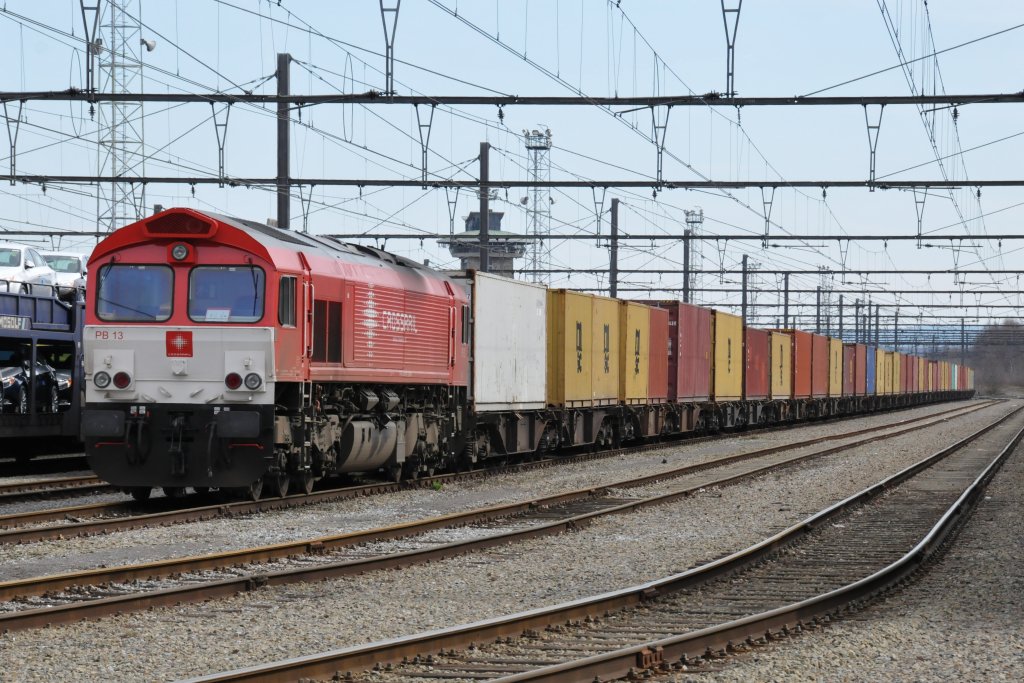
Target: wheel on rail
201,490
140,493
303,482
174,491
276,484
251,492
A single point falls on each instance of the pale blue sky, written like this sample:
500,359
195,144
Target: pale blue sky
783,48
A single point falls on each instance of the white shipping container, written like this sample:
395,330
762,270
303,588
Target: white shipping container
509,344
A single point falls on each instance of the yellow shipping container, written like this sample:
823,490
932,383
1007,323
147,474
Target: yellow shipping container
727,371
835,367
635,348
605,360
897,374
570,350
887,370
922,375
782,365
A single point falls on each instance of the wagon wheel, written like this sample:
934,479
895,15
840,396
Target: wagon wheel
250,492
277,484
304,482
140,493
174,491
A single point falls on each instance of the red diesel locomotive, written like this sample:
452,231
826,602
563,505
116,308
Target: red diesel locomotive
224,353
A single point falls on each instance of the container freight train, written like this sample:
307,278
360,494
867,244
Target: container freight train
221,353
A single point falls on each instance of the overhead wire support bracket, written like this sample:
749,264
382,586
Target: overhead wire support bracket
919,199
598,209
766,202
451,195
873,130
424,132
659,125
12,138
221,129
93,45
389,44
305,201
730,45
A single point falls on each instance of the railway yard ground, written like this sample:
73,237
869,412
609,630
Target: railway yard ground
958,620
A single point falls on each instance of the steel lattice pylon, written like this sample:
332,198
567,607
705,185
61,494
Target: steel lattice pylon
538,202
120,133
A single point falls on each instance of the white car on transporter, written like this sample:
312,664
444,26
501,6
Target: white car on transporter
70,272
24,270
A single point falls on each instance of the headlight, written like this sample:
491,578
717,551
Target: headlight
253,381
6,382
101,380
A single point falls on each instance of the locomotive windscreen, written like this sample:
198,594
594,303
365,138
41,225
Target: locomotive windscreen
134,293
226,294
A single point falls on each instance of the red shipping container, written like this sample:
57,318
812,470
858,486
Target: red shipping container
819,365
657,375
861,379
689,350
849,369
757,378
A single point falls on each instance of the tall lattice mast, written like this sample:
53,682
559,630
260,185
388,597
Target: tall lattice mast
694,226
538,202
120,133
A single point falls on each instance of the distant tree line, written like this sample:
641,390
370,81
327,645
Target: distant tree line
996,356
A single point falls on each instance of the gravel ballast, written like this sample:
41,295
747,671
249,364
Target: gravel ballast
288,621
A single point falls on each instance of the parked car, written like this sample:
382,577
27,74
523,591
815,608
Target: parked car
15,384
23,269
70,272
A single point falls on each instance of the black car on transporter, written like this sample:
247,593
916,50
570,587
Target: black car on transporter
15,387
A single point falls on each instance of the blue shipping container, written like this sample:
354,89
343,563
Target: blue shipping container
870,389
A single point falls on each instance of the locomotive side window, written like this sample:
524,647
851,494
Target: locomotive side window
334,332
319,331
286,301
226,294
134,293
327,331
465,324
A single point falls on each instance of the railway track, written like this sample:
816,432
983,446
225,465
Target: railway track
110,590
85,483
97,518
827,565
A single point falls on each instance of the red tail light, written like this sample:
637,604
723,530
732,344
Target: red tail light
122,380
233,380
